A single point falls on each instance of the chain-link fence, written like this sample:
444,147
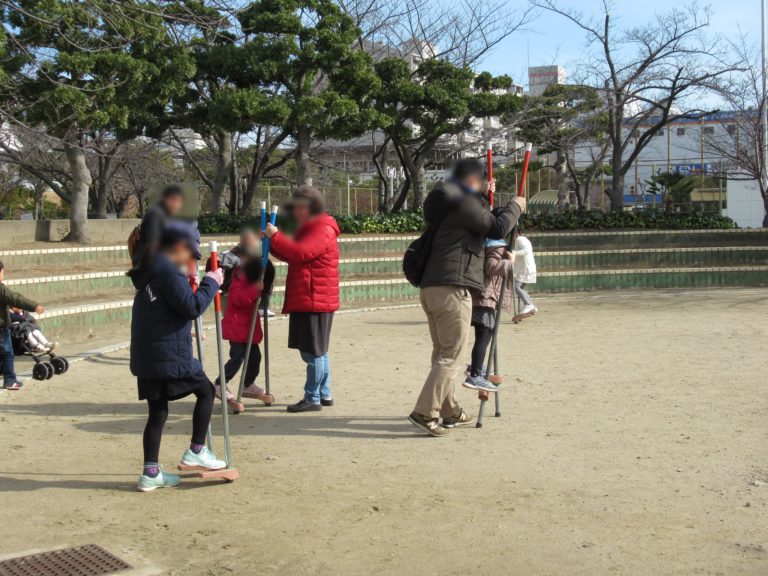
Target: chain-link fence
340,201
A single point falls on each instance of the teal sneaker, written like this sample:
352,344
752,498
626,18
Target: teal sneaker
162,480
205,460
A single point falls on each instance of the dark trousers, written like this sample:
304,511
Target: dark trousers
158,414
483,337
236,359
6,357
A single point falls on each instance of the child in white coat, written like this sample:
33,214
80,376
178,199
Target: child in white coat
524,270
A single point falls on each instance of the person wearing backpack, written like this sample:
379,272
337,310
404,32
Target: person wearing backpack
144,241
460,218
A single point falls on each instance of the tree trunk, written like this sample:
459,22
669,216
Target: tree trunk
303,163
81,184
561,167
223,171
103,178
39,202
383,192
102,196
579,197
419,186
616,192
765,207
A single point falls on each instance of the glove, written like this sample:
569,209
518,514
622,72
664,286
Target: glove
216,275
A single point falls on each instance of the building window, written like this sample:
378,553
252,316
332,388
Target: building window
660,132
708,130
681,131
731,129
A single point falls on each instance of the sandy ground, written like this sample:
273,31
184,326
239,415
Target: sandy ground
633,441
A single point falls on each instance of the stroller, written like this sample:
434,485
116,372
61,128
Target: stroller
46,362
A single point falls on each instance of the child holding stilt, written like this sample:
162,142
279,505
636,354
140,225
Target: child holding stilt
245,289
525,270
498,267
161,350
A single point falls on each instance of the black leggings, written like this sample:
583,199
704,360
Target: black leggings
483,336
158,414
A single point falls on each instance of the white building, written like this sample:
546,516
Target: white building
542,77
681,148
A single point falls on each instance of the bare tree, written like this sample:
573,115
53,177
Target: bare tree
740,142
461,34
650,74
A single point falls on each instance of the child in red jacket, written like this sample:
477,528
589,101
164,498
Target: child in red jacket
244,292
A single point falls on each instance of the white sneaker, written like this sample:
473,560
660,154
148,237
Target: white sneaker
230,396
205,459
529,309
270,314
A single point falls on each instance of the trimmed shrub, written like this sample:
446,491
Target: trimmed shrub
413,222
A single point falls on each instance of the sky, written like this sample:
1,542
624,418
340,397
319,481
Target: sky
552,39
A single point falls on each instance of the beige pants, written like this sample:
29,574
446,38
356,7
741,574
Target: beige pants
449,313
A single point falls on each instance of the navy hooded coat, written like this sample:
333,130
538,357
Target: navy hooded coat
161,326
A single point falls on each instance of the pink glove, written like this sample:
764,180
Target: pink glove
217,276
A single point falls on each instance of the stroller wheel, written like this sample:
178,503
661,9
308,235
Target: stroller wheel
50,370
59,365
40,371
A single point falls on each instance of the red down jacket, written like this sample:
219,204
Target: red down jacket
241,301
312,255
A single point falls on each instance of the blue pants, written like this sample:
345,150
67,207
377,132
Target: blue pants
318,384
6,357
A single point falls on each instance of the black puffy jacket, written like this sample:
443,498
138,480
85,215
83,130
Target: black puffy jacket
457,257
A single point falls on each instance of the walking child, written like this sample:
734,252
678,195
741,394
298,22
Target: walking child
161,351
525,270
498,268
10,299
245,289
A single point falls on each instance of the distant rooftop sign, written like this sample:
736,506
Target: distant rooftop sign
541,77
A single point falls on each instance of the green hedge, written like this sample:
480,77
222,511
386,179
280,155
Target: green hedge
410,222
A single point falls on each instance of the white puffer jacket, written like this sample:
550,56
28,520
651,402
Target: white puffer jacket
525,264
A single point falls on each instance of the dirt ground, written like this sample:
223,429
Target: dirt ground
632,442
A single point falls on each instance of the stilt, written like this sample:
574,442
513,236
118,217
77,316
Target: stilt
493,375
192,272
230,473
498,379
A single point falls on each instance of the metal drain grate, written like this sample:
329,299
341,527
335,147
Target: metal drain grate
90,560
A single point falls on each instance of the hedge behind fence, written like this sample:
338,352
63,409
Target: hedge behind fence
411,222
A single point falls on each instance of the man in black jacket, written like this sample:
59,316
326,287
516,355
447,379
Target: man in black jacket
455,267
153,225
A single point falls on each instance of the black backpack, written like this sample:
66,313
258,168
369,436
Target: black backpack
417,255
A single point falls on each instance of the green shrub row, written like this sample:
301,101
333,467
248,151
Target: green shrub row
410,222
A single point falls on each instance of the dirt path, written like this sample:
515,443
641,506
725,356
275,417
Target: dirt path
633,442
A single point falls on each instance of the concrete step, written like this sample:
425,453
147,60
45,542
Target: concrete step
100,318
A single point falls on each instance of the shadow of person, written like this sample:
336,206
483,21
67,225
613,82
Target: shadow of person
263,423
26,484
117,483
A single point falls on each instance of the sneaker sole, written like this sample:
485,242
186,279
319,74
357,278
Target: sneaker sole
480,388
153,488
460,424
187,467
423,428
